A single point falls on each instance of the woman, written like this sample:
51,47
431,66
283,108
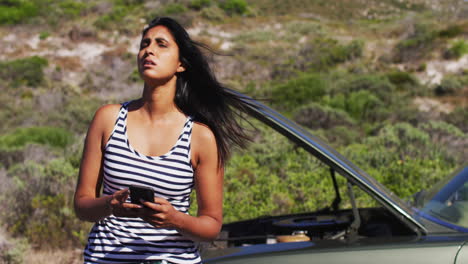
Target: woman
174,138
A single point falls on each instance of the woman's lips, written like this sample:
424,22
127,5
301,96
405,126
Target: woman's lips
148,63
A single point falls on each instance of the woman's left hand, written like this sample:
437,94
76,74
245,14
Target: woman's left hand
160,214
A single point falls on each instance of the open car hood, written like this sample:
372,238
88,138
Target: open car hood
331,157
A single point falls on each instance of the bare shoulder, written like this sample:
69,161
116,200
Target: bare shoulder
103,121
202,134
107,112
203,144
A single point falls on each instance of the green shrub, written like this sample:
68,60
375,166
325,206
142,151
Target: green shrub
13,251
16,11
458,118
402,79
448,86
340,136
234,7
374,83
71,9
298,91
323,53
364,105
451,31
291,182
51,215
38,11
438,129
303,27
199,4
457,50
417,45
44,35
213,13
51,136
27,71
401,157
38,204
76,115
174,8
315,116
112,19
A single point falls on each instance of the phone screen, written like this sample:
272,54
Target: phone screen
141,192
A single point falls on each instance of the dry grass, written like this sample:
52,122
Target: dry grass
66,256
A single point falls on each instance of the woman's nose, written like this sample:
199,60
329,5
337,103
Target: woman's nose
149,51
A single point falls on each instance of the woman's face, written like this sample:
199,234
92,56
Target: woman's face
158,58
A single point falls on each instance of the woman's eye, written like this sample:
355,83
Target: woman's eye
143,44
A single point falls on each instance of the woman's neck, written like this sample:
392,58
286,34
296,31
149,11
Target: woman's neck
158,101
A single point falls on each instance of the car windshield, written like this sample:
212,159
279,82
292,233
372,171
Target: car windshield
447,201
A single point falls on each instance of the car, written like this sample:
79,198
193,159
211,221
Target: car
432,227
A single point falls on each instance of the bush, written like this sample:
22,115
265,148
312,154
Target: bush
440,129
403,80
27,71
340,136
38,204
234,7
323,53
449,137
37,11
375,84
199,4
306,88
76,115
12,251
70,9
417,45
112,19
458,118
315,116
174,8
51,136
16,11
289,181
403,158
451,31
448,86
213,13
364,105
457,50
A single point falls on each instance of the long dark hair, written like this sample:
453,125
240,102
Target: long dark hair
200,95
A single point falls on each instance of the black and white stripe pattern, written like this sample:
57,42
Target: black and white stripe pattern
125,240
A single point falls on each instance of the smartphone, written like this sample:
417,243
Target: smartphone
141,192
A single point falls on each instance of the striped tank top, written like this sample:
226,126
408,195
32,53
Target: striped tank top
125,240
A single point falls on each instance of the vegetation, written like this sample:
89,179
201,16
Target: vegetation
51,136
457,50
30,11
348,71
27,71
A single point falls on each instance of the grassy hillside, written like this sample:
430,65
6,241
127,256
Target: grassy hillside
384,82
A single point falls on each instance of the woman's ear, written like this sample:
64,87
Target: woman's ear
181,67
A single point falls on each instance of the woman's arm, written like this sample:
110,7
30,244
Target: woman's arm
88,205
209,187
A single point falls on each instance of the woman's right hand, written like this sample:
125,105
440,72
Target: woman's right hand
120,208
